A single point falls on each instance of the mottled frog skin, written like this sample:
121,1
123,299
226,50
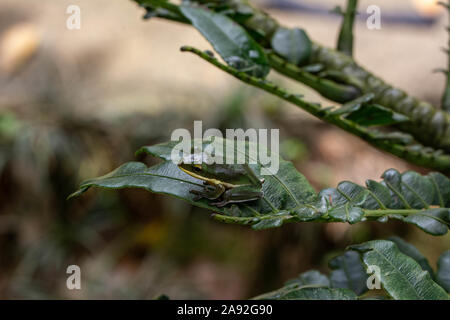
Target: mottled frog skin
224,183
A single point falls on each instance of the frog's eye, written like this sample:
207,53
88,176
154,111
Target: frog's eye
197,167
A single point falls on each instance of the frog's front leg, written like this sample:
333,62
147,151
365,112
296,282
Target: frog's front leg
210,192
238,195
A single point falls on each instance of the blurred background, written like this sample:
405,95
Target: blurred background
75,104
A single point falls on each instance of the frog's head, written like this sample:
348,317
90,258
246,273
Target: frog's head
201,171
195,165
214,173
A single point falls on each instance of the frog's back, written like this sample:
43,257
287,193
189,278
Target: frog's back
231,173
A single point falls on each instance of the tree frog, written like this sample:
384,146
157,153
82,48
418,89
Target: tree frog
225,183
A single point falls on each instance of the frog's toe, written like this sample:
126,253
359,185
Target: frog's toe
197,194
219,204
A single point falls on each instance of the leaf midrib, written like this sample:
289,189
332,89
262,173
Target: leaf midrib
281,182
138,174
438,190
219,29
397,271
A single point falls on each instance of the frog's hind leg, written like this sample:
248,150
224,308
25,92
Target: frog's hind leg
198,194
209,192
238,195
225,201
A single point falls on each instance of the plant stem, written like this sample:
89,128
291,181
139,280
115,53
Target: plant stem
246,220
345,40
440,162
370,214
380,213
434,133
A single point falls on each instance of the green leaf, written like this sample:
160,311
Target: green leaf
380,196
288,293
288,196
376,115
441,186
285,190
161,178
399,272
292,44
443,273
305,287
274,222
309,278
411,251
364,113
345,201
375,297
395,137
230,40
401,276
354,105
433,221
346,213
348,272
409,190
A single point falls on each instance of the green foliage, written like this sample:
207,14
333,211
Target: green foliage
310,285
376,115
230,40
424,134
288,197
401,277
397,143
348,272
309,278
411,251
443,273
286,189
292,44
351,202
308,294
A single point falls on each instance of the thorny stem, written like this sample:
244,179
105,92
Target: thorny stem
369,214
380,213
439,162
345,40
246,220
